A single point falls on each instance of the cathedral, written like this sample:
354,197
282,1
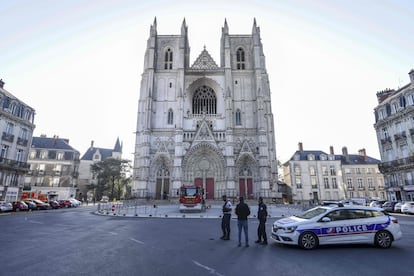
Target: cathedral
203,124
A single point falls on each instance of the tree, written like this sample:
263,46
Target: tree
111,173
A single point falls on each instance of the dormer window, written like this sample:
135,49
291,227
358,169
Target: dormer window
240,59
168,59
323,157
311,157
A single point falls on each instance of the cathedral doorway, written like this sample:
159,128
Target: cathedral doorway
162,184
246,184
204,167
209,187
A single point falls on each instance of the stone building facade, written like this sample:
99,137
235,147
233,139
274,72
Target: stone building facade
54,166
205,124
16,127
314,176
394,125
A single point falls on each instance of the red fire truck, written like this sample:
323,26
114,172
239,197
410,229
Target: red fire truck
191,199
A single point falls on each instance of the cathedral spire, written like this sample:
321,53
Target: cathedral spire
153,29
118,146
254,29
225,29
184,28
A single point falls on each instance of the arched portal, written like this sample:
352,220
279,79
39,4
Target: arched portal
247,169
204,166
160,175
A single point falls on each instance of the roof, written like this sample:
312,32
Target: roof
52,143
353,159
105,153
356,159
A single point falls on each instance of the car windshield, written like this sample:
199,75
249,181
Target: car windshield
312,213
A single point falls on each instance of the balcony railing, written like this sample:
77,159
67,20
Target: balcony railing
400,136
22,142
386,140
396,165
350,188
13,164
7,137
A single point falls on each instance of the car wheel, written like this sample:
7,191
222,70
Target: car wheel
383,239
308,240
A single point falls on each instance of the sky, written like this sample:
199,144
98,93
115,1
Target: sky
78,63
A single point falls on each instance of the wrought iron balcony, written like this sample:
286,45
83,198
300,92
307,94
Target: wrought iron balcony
400,136
397,165
386,140
13,164
22,142
7,137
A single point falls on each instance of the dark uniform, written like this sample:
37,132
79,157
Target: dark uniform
262,216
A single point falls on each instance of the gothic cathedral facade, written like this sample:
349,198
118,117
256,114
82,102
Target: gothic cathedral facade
203,124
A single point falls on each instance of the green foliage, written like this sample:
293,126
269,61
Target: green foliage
112,179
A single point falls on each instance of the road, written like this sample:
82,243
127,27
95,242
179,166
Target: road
77,242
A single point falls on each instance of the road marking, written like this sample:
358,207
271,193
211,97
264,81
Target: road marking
211,270
37,222
137,241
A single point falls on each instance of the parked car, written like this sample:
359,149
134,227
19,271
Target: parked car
407,207
337,225
388,206
75,202
65,203
31,205
397,207
40,205
376,203
20,206
6,207
54,204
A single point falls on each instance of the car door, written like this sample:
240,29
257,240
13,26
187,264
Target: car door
336,229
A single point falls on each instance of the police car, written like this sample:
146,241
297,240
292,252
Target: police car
338,225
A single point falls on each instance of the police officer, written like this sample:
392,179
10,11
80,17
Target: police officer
261,216
225,220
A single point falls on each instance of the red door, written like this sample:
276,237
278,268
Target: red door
210,188
242,188
198,182
209,193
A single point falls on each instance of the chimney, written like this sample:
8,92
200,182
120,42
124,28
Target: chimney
92,144
411,74
1,83
363,154
331,150
300,146
345,154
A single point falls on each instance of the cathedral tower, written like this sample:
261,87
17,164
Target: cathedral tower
204,124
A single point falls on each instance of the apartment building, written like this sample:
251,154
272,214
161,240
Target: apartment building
315,175
53,170
361,176
394,125
16,127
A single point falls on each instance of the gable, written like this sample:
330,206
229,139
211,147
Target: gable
204,62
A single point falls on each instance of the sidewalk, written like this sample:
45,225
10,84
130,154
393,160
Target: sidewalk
171,210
